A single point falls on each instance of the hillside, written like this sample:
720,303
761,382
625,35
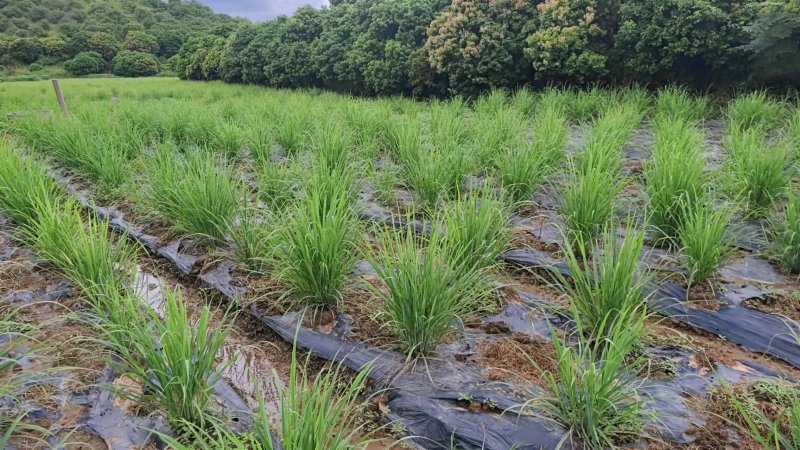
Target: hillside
48,32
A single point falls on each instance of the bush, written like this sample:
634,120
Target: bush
135,64
105,44
85,63
26,50
693,41
775,43
35,67
566,43
138,41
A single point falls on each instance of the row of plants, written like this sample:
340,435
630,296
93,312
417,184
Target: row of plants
174,357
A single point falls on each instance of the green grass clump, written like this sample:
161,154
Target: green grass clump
588,203
705,239
425,297
23,186
277,182
583,106
785,234
607,281
755,110
175,359
676,103
592,396
523,169
82,251
320,238
253,239
292,132
316,414
604,145
498,132
95,155
435,175
194,194
229,140
476,230
755,171
674,177
778,430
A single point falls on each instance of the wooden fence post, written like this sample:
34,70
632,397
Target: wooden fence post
60,98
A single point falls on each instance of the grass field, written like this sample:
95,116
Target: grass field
620,191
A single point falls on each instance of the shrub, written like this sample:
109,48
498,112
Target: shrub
26,50
774,43
104,44
693,41
35,67
566,46
135,64
139,41
85,63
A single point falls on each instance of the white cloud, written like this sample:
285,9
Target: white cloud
260,10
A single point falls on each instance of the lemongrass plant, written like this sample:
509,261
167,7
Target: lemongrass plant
676,103
593,393
425,297
523,169
316,414
587,203
675,175
194,194
23,185
320,237
607,280
477,230
785,234
174,359
755,110
705,239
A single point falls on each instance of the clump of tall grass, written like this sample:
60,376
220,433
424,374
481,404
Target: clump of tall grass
277,182
384,180
604,145
253,239
774,427
524,101
785,234
607,282
491,102
332,146
588,203
405,139
196,195
316,414
705,239
81,250
754,110
592,396
425,297
229,140
436,174
175,359
292,131
477,230
260,142
93,155
676,103
585,105
756,171
448,128
674,177
23,185
523,169
501,131
320,238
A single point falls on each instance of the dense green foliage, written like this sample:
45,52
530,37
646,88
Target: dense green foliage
465,47
52,31
135,64
85,63
427,47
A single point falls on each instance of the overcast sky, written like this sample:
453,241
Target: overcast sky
260,10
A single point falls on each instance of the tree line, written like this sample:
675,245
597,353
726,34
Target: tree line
464,47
